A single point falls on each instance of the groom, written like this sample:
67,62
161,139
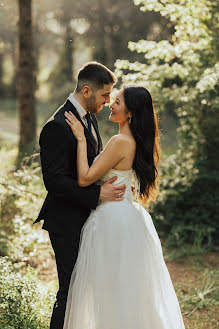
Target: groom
67,206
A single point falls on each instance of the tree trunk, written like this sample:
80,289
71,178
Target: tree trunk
14,57
69,49
2,89
109,50
26,82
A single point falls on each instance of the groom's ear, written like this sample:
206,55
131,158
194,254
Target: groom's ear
86,91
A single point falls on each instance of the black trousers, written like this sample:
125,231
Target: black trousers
66,253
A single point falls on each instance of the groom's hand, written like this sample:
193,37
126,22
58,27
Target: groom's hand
110,192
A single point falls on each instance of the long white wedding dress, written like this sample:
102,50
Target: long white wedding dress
120,279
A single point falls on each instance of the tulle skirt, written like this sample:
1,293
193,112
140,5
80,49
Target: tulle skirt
120,279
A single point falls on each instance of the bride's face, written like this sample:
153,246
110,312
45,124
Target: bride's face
119,112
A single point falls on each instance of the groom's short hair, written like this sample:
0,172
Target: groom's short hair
95,75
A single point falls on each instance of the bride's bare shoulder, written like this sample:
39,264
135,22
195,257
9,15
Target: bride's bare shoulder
125,146
122,138
122,144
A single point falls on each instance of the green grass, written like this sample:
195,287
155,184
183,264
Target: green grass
196,280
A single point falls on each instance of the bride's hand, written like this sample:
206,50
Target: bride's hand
75,125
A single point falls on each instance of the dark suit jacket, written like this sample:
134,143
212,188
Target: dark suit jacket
67,205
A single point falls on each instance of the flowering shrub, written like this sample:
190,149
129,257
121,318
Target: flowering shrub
24,301
182,74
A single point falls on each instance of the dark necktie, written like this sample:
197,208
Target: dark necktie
88,117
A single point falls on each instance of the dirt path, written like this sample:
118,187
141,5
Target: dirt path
188,277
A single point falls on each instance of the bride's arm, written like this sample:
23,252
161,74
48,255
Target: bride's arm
110,157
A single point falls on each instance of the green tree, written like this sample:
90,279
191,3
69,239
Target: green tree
183,73
63,70
113,23
8,47
108,26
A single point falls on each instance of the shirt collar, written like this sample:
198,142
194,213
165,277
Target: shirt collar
81,110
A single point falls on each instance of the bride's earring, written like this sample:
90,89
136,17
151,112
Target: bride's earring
129,120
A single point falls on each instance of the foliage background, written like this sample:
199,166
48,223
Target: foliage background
182,74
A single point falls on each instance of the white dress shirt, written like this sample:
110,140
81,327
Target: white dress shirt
82,112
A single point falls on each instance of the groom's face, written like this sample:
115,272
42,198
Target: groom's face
99,98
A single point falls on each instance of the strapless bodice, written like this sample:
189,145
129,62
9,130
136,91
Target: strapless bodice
123,177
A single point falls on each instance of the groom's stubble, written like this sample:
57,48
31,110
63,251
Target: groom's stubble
92,104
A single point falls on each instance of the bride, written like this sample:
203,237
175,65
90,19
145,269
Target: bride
120,279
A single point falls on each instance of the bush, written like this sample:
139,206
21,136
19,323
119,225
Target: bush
186,211
21,198
182,73
24,302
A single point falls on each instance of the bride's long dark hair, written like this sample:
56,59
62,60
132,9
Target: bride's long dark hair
145,130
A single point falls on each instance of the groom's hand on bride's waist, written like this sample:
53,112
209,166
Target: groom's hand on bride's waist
110,192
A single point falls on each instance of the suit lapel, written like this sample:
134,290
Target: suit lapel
87,133
100,145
